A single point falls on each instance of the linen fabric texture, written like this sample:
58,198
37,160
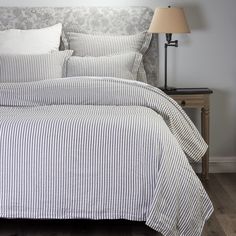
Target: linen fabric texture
99,148
31,41
124,66
104,45
25,68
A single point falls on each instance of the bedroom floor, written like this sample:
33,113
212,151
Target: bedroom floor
221,189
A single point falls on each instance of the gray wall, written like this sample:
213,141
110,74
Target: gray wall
205,58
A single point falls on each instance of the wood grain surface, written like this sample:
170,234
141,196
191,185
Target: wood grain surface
220,187
222,191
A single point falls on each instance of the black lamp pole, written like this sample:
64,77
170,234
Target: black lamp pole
169,43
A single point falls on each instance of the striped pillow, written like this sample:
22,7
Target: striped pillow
25,68
120,66
104,45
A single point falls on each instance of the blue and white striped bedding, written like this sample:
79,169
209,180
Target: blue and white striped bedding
99,148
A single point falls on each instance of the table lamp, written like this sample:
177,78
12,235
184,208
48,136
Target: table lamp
169,20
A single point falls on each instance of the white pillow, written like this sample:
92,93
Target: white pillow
123,66
32,41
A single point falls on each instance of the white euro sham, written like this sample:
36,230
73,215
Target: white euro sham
31,41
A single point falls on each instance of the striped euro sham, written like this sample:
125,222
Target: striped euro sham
24,68
104,45
123,66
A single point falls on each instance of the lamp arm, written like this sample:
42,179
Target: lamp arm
172,44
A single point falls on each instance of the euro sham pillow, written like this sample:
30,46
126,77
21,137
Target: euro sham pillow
26,68
104,45
32,41
123,66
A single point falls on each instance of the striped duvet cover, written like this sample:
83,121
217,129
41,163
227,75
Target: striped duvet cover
99,148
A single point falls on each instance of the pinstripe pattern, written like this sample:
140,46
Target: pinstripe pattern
93,148
23,68
104,45
108,91
121,66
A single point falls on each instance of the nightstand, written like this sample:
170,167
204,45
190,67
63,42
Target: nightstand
196,98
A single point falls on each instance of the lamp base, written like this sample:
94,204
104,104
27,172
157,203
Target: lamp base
167,88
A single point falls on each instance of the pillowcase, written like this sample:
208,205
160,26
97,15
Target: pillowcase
32,41
104,45
120,66
26,68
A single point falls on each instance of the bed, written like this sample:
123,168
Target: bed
96,147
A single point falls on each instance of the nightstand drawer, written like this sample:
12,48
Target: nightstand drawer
189,101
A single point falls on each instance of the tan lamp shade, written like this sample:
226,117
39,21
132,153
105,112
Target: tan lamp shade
169,20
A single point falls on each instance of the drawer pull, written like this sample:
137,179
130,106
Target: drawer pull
183,103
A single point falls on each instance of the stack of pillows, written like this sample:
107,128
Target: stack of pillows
32,55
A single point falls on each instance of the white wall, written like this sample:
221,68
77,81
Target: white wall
205,58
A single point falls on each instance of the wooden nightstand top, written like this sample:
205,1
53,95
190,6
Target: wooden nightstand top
183,91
